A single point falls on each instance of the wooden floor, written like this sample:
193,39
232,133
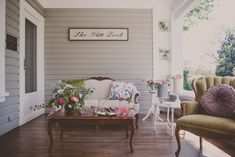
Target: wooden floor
31,140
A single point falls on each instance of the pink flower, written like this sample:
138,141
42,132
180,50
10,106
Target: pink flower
177,77
151,82
61,101
162,82
74,99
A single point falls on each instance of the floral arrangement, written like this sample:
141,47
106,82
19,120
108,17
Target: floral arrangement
178,76
154,84
68,97
161,82
151,84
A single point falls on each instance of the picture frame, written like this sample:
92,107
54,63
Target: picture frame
164,25
164,53
98,34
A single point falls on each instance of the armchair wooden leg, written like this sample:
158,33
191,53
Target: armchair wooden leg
200,143
177,135
136,120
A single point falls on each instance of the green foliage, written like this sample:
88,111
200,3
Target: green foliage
76,83
199,13
202,71
187,83
226,56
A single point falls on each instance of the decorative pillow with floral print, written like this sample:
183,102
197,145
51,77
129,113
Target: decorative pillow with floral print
121,91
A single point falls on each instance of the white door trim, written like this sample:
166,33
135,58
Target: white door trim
26,11
2,49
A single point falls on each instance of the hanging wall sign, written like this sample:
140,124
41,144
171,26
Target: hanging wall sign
96,34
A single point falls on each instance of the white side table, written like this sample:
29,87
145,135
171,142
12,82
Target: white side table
152,108
170,106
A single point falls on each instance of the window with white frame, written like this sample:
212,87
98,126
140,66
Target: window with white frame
2,50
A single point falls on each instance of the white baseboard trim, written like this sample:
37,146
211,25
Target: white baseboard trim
32,116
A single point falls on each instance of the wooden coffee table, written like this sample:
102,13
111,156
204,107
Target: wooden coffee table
62,118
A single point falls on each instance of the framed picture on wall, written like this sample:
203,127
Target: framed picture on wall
164,25
164,53
98,34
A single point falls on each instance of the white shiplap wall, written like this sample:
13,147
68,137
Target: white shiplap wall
121,60
9,110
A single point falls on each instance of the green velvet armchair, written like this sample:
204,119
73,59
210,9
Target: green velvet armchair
195,120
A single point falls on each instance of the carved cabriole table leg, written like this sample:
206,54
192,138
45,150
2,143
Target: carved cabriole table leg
49,131
127,135
132,134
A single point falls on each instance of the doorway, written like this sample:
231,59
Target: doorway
31,63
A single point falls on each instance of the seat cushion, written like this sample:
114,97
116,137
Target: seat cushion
101,88
208,126
108,103
219,101
115,104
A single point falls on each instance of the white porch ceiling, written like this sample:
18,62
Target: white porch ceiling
103,3
177,6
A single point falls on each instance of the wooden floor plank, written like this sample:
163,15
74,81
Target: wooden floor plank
31,140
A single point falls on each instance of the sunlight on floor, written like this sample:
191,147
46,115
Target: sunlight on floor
208,148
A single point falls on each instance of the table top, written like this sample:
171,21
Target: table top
88,114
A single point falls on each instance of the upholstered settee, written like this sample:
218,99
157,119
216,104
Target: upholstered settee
197,121
100,95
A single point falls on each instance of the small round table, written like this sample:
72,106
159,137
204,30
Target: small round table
171,106
154,109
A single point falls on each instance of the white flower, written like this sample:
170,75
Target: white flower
60,91
69,86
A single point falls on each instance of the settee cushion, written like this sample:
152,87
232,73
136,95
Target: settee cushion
219,101
101,88
116,103
91,102
108,103
121,90
208,126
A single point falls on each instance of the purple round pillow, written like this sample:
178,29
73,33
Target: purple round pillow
219,101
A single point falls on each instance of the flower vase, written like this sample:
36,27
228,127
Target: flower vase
68,110
152,88
61,109
178,85
163,90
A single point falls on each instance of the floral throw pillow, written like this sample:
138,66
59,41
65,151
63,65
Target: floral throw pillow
121,91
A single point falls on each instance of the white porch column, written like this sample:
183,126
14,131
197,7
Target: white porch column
179,8
2,49
176,46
